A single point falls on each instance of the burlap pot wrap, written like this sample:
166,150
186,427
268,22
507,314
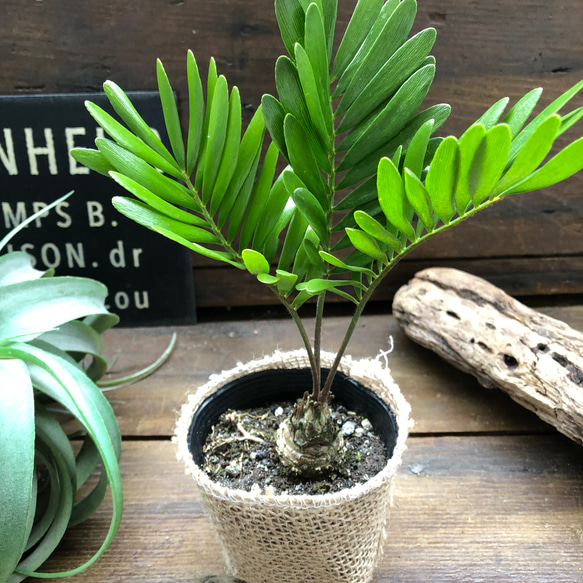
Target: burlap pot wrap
328,538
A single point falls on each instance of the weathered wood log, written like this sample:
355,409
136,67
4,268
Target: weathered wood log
481,330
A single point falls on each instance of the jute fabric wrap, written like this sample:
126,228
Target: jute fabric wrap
329,538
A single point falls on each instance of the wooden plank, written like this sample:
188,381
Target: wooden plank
443,399
518,276
466,509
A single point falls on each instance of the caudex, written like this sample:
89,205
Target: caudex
366,180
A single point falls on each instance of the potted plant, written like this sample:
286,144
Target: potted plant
365,181
50,364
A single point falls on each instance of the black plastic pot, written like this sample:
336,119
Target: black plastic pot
279,385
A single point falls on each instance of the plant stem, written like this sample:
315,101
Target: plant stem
318,346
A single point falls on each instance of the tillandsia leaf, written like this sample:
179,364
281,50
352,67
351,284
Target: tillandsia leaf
30,308
307,204
260,196
468,145
255,262
442,178
367,45
16,267
146,216
489,162
566,163
373,228
293,239
391,193
126,110
195,113
532,153
418,197
551,109
4,241
74,337
156,202
373,133
131,142
87,404
439,113
302,159
402,64
17,478
393,35
171,118
521,111
223,256
364,16
217,132
93,159
247,161
290,18
135,168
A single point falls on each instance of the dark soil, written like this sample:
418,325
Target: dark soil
240,453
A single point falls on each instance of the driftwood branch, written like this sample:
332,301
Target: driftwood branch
480,329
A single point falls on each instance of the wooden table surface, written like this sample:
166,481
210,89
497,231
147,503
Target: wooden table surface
486,492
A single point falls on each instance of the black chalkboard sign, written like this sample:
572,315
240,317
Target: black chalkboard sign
149,278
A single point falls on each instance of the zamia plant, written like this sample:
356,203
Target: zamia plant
365,179
50,364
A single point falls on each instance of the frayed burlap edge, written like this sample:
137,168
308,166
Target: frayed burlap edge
325,538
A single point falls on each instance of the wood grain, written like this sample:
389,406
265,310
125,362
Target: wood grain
469,509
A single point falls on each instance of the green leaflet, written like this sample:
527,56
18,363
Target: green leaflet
17,479
415,155
402,64
259,198
439,113
364,16
361,195
490,118
170,112
146,216
391,38
442,178
391,194
274,115
566,163
373,133
286,281
419,199
521,111
312,95
217,131
130,142
335,262
551,109
156,202
293,239
290,18
135,168
302,159
377,28
373,228
93,159
489,162
229,155
195,113
468,144
315,44
307,204
125,109
255,262
366,244
276,215
532,153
